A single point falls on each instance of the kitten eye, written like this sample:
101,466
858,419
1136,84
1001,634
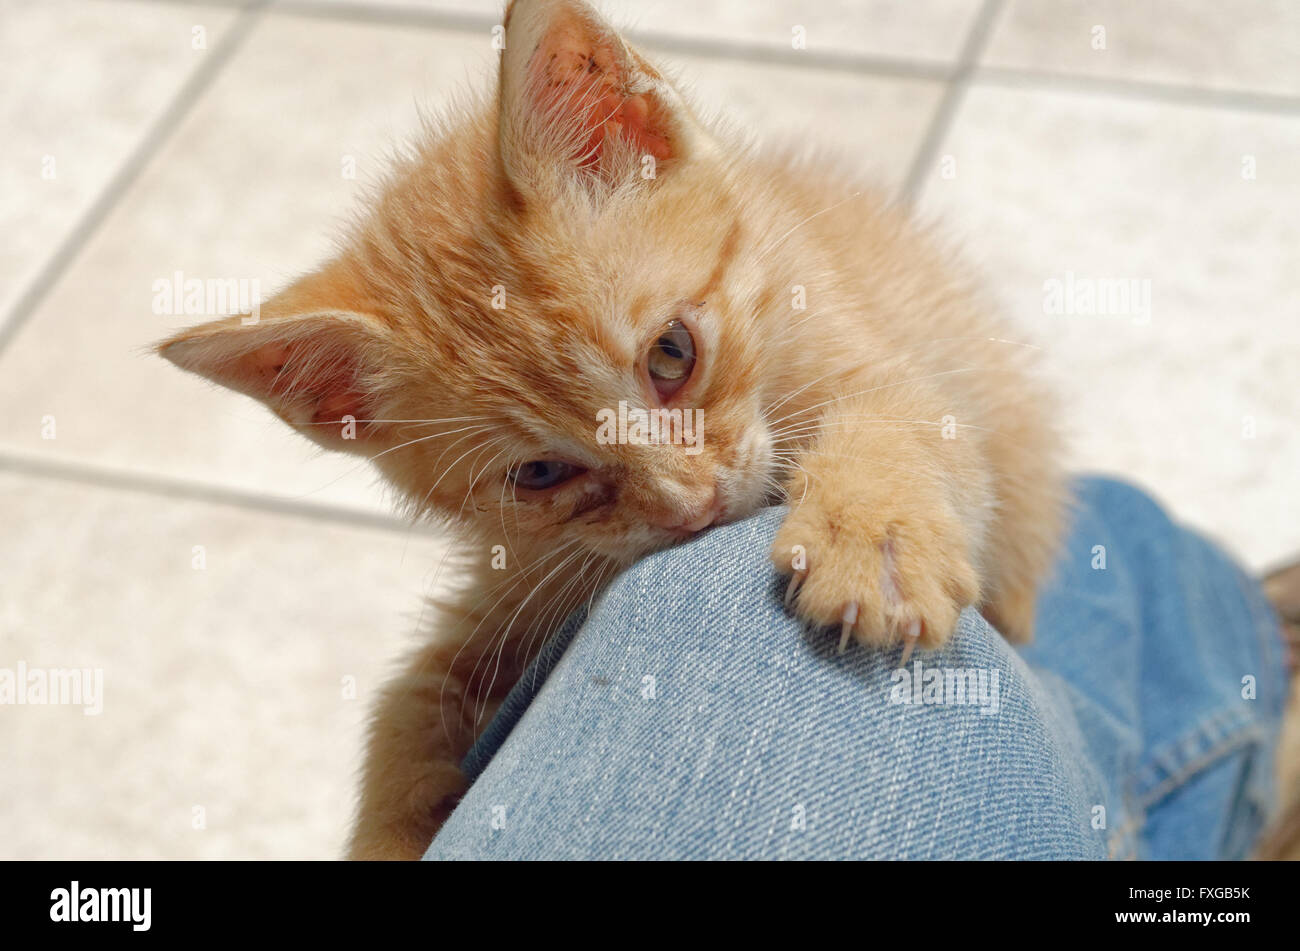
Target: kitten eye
544,473
671,360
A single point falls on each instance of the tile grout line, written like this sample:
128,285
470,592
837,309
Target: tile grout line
176,488
946,112
759,54
1137,90
116,187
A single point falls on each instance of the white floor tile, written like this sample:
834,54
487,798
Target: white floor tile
223,687
1049,185
1245,45
83,82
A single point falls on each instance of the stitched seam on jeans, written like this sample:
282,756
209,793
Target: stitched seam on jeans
1186,772
1253,734
1127,834
1123,845
1174,757
1139,804
1243,729
1124,842
1126,837
1268,629
1261,783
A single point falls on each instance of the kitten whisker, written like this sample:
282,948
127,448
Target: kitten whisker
448,419
555,616
803,432
791,395
451,467
874,389
773,245
798,430
506,630
474,479
428,438
509,583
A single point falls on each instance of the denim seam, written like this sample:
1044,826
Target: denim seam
1155,790
1233,727
1240,728
1251,733
1124,842
1268,628
1261,782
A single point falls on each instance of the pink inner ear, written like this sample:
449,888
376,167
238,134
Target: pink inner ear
332,408
299,379
582,81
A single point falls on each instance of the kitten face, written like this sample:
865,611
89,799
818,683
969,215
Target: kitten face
511,287
587,298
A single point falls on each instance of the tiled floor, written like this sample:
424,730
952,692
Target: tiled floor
1171,155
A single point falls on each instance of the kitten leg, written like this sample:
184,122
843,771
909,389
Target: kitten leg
1033,499
411,779
888,519
429,716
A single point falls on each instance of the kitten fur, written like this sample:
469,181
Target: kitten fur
894,413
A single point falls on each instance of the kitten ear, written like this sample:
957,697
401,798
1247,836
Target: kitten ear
574,98
313,366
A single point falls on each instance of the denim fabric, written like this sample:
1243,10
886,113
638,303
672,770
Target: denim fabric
690,717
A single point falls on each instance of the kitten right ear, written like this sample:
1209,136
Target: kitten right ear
324,371
575,99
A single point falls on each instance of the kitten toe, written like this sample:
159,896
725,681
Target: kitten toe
849,618
792,588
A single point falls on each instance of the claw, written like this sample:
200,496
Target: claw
793,587
910,637
849,617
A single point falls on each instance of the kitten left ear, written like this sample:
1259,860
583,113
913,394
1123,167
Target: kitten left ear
322,370
576,99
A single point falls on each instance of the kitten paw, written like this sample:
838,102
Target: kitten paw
880,575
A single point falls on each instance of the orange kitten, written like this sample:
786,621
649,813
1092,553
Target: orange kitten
582,243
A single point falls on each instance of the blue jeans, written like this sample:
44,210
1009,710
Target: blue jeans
690,717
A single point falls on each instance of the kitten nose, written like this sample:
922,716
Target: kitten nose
701,518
